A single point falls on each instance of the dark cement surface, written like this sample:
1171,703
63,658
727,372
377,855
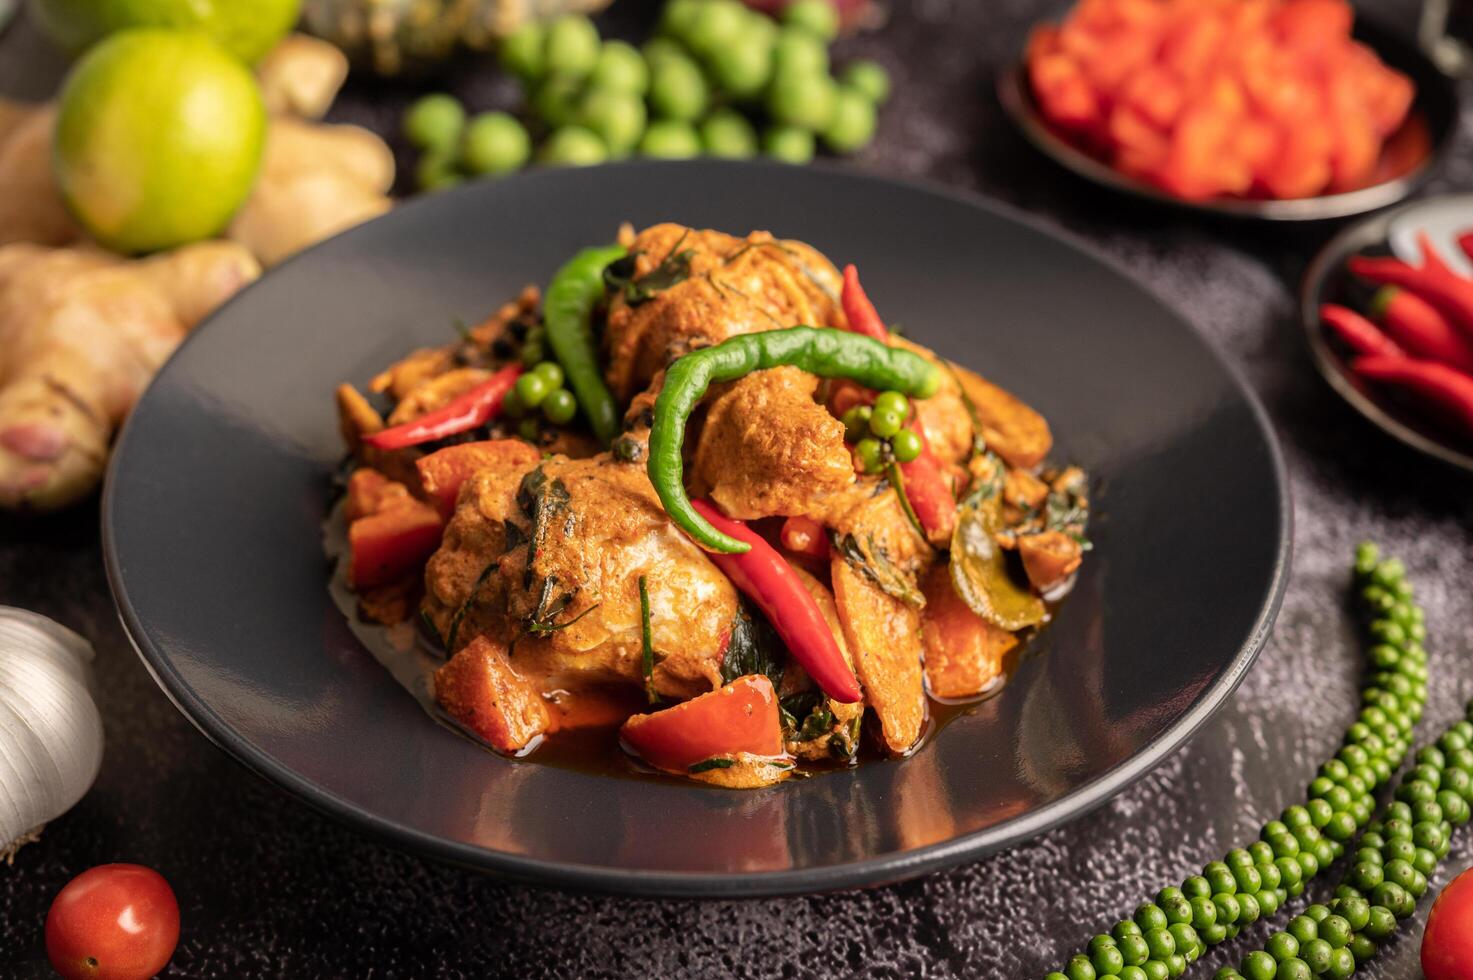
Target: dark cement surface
270,888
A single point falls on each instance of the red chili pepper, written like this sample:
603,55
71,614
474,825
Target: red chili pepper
763,575
925,487
805,536
858,310
1434,282
1448,391
1420,329
467,411
1360,334
1465,242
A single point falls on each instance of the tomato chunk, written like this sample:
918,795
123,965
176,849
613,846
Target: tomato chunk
740,717
392,544
442,473
369,492
481,689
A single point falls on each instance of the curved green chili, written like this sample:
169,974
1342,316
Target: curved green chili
567,312
821,351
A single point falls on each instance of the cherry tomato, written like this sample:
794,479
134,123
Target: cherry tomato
112,922
1447,945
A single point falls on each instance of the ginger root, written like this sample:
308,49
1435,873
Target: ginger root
30,204
83,333
316,181
301,76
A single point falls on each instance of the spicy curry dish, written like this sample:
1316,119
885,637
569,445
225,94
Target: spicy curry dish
698,501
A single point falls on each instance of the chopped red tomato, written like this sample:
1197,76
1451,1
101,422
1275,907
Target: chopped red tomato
442,473
740,717
392,544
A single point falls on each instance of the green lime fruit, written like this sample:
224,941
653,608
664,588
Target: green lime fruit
572,45
819,17
797,52
716,24
789,144
678,90
618,118
494,143
158,139
620,67
806,101
869,78
521,52
436,171
853,123
434,121
660,49
573,146
246,28
678,16
667,139
728,134
556,99
741,69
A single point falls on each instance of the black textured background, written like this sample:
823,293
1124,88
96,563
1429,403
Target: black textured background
269,888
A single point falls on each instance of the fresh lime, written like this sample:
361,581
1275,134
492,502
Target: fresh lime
247,28
158,139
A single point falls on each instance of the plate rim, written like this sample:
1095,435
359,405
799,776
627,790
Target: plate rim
1370,230
1018,105
889,868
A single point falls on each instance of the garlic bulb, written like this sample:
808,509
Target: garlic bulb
50,729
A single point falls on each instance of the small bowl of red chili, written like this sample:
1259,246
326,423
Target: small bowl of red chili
1387,308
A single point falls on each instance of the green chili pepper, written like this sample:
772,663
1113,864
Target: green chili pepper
821,351
568,312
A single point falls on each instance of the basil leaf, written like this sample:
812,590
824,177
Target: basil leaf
754,648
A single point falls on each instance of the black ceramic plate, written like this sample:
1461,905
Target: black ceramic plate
1436,108
1328,281
220,482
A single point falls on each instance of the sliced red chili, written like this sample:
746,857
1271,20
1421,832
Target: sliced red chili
465,412
764,576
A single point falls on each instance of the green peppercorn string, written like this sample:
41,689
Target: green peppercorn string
1392,861
1253,882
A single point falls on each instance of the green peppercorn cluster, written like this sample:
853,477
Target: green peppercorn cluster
539,394
1392,861
878,432
714,73
1166,935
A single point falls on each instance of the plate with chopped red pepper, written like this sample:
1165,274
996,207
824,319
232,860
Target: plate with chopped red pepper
1284,110
794,536
1388,310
